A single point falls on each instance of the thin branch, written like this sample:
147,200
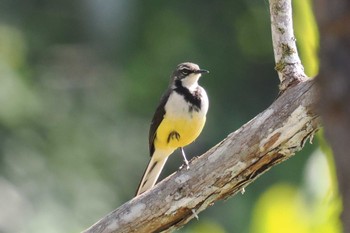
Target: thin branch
288,64
270,138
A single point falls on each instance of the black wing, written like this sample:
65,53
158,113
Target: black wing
157,119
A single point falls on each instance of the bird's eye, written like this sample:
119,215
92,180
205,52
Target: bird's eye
185,71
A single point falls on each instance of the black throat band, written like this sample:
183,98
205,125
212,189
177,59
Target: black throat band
194,99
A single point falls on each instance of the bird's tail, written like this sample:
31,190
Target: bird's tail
152,173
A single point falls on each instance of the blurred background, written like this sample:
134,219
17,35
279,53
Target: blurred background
79,83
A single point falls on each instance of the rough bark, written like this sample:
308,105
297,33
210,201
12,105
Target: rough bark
288,64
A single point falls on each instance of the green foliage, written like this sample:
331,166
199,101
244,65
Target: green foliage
307,35
313,207
255,19
18,101
206,226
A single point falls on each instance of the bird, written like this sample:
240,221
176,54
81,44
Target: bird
177,121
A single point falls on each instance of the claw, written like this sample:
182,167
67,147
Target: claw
195,214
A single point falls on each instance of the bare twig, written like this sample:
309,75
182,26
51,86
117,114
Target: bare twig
288,64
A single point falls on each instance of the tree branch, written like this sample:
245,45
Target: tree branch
270,138
288,64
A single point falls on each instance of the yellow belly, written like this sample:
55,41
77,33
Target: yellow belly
188,129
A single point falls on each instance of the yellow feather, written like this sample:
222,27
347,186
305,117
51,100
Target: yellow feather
188,128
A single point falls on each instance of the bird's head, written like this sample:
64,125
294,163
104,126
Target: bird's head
188,74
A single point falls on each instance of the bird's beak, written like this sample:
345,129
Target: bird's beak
201,71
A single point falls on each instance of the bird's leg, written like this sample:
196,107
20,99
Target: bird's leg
184,157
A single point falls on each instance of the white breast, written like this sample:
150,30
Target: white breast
177,106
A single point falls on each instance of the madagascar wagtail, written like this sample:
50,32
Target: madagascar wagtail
177,122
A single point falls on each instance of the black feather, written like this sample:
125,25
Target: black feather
194,99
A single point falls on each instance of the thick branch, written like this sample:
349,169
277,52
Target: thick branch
288,64
270,138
